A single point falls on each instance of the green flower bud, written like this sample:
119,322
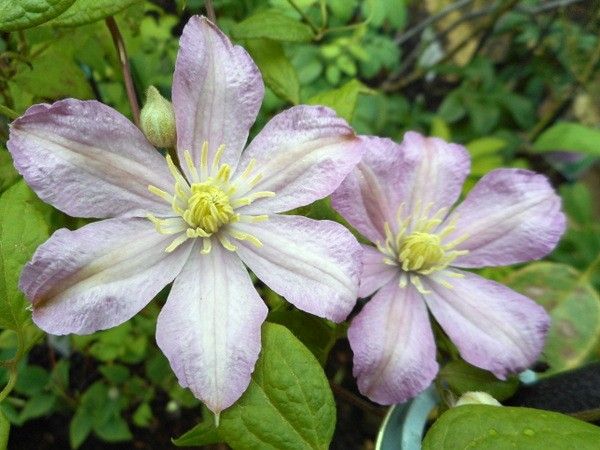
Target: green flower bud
157,120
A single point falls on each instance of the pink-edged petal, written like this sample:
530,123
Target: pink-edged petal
209,329
494,327
375,273
392,341
98,276
371,193
510,216
438,177
314,264
88,160
217,92
303,154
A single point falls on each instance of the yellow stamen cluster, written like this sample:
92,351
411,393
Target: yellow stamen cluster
206,205
417,246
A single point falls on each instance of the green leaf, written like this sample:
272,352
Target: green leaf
573,305
4,431
88,11
54,74
20,14
495,427
570,137
8,174
22,229
142,417
484,154
276,68
342,100
37,406
79,428
115,429
287,405
463,377
205,433
115,373
271,24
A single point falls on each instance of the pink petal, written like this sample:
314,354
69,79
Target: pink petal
303,154
371,193
510,216
209,329
419,172
98,276
375,273
494,327
392,341
314,264
88,160
439,174
217,92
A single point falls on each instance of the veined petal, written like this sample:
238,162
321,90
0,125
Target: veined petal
375,273
209,329
98,276
314,264
88,160
392,341
510,216
371,193
303,154
439,174
217,92
494,327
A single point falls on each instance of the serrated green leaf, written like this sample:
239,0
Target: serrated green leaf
480,427
276,68
342,100
570,137
287,405
271,24
22,229
88,11
463,377
21,14
573,305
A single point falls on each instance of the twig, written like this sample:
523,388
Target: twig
356,401
402,38
124,61
549,6
580,80
210,11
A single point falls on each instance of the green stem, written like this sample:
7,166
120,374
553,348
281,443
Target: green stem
305,18
6,111
595,265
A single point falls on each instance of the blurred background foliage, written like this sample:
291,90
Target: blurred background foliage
516,81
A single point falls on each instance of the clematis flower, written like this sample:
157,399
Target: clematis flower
399,197
198,224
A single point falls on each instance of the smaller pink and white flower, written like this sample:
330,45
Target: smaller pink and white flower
400,197
198,224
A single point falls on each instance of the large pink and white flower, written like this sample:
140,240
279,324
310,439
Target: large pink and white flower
400,197
198,224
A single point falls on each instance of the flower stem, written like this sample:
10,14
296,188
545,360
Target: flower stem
305,18
125,68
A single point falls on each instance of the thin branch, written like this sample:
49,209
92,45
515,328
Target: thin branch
349,397
402,38
210,11
125,68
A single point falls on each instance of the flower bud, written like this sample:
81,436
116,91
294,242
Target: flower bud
477,398
157,120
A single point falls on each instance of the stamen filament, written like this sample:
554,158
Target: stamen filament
176,242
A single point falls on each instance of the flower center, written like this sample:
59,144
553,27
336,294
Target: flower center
418,246
208,207
205,207
421,251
